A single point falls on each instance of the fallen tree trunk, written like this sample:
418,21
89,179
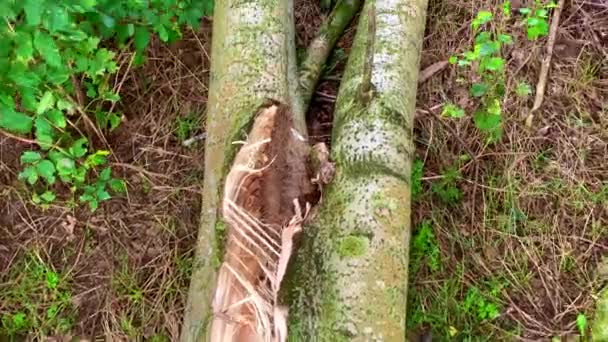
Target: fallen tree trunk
252,54
254,89
351,272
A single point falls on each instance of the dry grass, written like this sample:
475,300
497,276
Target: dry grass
128,264
530,228
526,236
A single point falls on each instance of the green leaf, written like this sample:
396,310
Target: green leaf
537,27
488,48
48,196
479,89
29,174
505,38
117,185
124,32
523,89
452,110
56,118
46,170
163,34
65,105
44,132
452,59
29,157
506,8
483,37
46,47
493,64
14,121
108,21
483,17
22,76
106,174
65,166
33,12
142,38
96,159
102,194
79,147
524,11
581,323
24,47
46,102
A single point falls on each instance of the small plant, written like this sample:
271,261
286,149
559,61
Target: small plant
581,324
425,247
475,302
416,179
536,19
38,303
487,65
447,187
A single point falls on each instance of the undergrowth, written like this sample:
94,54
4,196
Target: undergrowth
57,60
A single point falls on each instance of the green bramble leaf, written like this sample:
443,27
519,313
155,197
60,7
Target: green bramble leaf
24,48
453,111
30,157
29,174
479,89
65,166
581,324
79,148
44,132
14,121
33,12
46,102
46,47
141,38
96,159
48,196
493,64
524,11
505,38
46,169
105,174
523,89
483,17
453,60
117,185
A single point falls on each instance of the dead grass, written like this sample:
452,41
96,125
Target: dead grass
129,262
526,235
534,208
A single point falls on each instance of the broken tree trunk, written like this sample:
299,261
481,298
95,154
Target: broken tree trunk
253,58
350,279
250,197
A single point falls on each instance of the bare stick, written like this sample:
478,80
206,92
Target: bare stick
544,70
431,70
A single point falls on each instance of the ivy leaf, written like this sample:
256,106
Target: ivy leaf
33,12
29,157
46,47
29,174
56,118
46,102
46,170
14,121
142,38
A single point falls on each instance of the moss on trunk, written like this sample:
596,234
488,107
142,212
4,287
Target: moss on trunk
350,279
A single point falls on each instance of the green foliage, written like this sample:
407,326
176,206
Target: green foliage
51,53
416,179
447,187
36,301
536,19
186,126
425,248
487,65
581,324
476,303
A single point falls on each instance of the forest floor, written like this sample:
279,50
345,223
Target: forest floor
509,238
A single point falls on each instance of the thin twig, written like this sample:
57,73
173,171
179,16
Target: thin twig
431,70
544,70
24,140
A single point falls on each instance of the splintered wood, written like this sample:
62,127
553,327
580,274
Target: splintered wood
262,208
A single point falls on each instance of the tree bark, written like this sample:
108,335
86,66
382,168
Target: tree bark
350,279
253,58
253,61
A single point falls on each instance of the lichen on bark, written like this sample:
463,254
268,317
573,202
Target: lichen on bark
362,297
